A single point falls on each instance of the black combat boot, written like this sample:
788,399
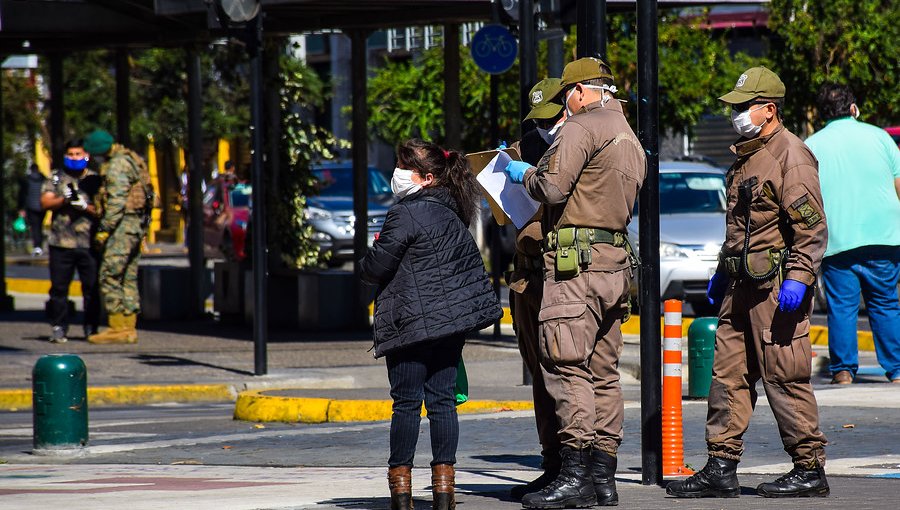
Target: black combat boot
573,488
603,471
718,479
551,471
799,483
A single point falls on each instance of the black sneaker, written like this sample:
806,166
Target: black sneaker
798,483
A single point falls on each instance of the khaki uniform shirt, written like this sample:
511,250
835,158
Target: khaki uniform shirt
590,177
69,227
786,207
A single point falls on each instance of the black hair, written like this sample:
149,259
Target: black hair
229,165
450,169
834,100
75,142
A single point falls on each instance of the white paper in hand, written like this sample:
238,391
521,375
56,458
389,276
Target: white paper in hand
511,197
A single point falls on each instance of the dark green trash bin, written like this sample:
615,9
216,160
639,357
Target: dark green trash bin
701,347
59,403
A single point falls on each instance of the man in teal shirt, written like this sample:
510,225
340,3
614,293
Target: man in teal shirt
859,172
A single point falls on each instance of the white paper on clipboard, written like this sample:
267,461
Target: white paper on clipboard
511,197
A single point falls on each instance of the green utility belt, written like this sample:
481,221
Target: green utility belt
735,265
573,247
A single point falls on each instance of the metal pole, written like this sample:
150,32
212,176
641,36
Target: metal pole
452,107
257,211
527,60
195,188
123,98
57,114
360,155
591,28
6,301
651,355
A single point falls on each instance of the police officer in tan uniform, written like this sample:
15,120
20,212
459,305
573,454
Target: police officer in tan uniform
774,242
527,278
587,181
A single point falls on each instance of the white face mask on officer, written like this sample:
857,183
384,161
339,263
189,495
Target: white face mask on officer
744,125
605,99
402,183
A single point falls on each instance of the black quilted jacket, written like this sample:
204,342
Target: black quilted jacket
430,276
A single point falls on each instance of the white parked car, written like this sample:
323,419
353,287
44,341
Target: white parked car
691,230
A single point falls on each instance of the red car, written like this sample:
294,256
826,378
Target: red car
226,212
895,133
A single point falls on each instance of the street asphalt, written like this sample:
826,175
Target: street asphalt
174,452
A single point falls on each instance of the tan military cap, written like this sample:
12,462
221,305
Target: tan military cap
755,82
583,69
541,99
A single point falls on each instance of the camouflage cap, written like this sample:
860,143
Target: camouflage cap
584,69
541,99
98,142
755,82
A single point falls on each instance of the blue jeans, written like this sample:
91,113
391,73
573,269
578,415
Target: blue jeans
425,372
872,270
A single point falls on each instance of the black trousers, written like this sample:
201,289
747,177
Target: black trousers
36,225
63,263
425,372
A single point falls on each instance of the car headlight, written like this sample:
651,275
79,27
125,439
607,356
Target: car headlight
315,213
669,250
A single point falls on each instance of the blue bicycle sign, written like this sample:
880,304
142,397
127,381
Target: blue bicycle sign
494,49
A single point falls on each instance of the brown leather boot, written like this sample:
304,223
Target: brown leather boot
400,483
443,480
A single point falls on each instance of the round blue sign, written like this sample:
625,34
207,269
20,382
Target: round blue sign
494,49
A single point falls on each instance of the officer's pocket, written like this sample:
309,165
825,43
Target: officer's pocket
786,349
564,333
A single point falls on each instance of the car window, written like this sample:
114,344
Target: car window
338,182
690,192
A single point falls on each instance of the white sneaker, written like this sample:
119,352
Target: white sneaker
37,252
58,335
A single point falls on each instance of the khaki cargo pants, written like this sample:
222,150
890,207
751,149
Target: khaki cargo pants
755,340
525,307
581,341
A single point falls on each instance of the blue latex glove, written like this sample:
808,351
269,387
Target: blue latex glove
715,291
501,146
790,295
516,171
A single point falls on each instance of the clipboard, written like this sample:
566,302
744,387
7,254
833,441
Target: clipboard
477,162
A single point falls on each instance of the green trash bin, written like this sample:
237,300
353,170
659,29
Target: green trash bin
701,347
59,403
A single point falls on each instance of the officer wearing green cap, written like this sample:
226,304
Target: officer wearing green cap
774,242
587,181
126,204
526,282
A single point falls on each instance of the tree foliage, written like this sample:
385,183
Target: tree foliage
695,67
20,121
300,90
845,41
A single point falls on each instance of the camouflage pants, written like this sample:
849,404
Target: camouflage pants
119,267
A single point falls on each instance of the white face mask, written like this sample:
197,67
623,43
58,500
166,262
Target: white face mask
611,88
402,184
545,134
743,125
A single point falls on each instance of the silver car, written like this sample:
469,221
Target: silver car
691,229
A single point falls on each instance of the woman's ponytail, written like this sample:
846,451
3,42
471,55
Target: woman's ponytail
463,186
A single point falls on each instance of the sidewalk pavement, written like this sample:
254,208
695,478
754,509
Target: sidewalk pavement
197,361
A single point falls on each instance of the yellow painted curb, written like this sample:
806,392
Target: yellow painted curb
818,335
258,407
33,286
18,399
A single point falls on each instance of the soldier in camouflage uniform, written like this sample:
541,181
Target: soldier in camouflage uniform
126,203
69,194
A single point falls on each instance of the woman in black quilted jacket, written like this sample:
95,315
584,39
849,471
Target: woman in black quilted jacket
432,291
